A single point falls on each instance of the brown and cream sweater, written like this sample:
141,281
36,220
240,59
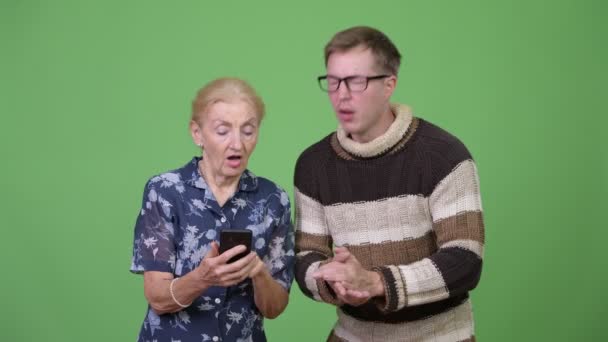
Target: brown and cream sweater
407,205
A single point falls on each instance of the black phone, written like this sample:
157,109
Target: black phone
233,237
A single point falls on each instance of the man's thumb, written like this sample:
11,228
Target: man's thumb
341,257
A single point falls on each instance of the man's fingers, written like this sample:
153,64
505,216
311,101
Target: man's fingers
349,286
322,272
341,254
341,257
333,276
339,287
330,267
341,250
333,271
357,294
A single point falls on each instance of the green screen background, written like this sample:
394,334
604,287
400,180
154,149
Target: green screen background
95,98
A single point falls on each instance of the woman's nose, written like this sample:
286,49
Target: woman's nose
236,142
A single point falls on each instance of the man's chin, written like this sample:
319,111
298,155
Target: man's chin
349,128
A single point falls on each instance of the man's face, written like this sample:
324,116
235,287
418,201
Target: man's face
360,113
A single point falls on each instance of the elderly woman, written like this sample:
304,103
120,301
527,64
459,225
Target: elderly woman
194,293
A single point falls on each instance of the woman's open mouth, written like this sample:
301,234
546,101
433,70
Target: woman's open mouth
234,161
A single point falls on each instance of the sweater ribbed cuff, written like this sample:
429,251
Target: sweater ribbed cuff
392,281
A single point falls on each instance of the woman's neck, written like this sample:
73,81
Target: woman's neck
222,187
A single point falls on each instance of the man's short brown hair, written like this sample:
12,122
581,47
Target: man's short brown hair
387,56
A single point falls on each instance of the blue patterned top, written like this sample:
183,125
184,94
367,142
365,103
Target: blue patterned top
178,221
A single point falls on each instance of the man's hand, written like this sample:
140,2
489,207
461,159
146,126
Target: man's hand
352,297
352,283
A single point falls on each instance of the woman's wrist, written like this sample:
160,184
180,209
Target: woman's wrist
174,297
198,281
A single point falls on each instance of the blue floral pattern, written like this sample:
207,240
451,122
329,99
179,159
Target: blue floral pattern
178,221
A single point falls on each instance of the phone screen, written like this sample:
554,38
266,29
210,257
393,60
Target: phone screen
234,237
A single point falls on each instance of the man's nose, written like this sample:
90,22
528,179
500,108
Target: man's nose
343,91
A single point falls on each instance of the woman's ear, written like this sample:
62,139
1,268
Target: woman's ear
196,133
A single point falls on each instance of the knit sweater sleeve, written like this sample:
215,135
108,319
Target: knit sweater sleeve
457,223
313,240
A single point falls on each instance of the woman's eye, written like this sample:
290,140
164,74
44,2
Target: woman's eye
248,130
222,132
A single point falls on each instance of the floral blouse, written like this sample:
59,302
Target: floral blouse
178,221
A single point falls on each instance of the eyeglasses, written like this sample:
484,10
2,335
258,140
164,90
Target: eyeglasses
353,83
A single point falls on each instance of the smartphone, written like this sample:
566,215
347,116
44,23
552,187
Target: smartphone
234,237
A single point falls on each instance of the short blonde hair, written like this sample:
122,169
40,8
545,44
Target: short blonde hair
227,89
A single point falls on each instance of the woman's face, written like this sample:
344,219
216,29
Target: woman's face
228,132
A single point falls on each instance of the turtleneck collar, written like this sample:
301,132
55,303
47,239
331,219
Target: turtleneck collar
383,143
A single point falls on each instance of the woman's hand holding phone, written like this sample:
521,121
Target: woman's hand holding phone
215,269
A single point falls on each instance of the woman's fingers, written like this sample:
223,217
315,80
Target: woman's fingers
239,264
257,268
234,251
213,251
236,277
238,270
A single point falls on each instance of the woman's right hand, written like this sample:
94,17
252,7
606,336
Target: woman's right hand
215,270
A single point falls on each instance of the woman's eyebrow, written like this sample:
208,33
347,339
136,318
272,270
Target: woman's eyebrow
221,122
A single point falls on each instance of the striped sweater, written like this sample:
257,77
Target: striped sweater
406,205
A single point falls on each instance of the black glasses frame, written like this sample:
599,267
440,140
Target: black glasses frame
346,81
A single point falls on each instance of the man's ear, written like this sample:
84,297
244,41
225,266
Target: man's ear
390,83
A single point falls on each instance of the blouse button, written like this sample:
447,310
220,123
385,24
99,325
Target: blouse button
217,301
223,219
215,338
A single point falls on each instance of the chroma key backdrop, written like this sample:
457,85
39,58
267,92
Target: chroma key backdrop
95,99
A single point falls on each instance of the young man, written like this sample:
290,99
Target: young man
397,196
